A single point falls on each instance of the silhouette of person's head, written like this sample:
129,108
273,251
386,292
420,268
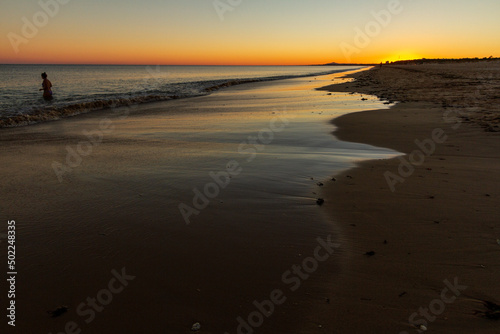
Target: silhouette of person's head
44,75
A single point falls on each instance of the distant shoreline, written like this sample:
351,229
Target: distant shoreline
420,61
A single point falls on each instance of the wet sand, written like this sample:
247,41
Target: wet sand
440,222
107,239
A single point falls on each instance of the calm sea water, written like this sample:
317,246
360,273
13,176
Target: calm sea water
81,86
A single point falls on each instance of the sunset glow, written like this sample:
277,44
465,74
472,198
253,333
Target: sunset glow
253,32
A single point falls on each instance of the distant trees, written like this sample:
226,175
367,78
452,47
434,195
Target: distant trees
441,61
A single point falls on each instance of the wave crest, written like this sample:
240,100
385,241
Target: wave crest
55,113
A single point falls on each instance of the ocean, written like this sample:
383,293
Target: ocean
83,88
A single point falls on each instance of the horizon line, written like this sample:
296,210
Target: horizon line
324,64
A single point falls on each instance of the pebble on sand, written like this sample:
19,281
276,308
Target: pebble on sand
58,311
196,327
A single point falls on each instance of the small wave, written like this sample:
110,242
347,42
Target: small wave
55,113
230,83
245,81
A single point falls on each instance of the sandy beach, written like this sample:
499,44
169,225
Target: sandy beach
104,235
423,246
250,167
188,211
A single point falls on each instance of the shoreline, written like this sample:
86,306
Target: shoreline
440,223
55,113
117,199
118,207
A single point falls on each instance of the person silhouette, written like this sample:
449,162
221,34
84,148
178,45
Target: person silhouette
47,87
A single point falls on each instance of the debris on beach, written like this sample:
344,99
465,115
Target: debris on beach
319,184
334,179
320,201
422,327
196,327
60,310
492,312
371,253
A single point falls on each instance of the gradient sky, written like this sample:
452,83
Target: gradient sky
255,32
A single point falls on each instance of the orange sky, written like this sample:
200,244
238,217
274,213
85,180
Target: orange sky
257,32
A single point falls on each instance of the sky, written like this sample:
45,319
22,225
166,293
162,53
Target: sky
245,32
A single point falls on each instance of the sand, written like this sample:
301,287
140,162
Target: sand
117,209
115,214
440,222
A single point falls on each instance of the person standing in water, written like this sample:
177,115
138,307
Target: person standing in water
47,87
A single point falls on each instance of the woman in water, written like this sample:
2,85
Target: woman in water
47,87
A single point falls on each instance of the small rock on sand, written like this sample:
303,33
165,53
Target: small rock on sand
58,311
196,327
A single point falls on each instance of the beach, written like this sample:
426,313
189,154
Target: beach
163,215
434,220
246,167
240,212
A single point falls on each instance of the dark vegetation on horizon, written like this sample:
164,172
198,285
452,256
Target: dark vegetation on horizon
421,61
442,61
